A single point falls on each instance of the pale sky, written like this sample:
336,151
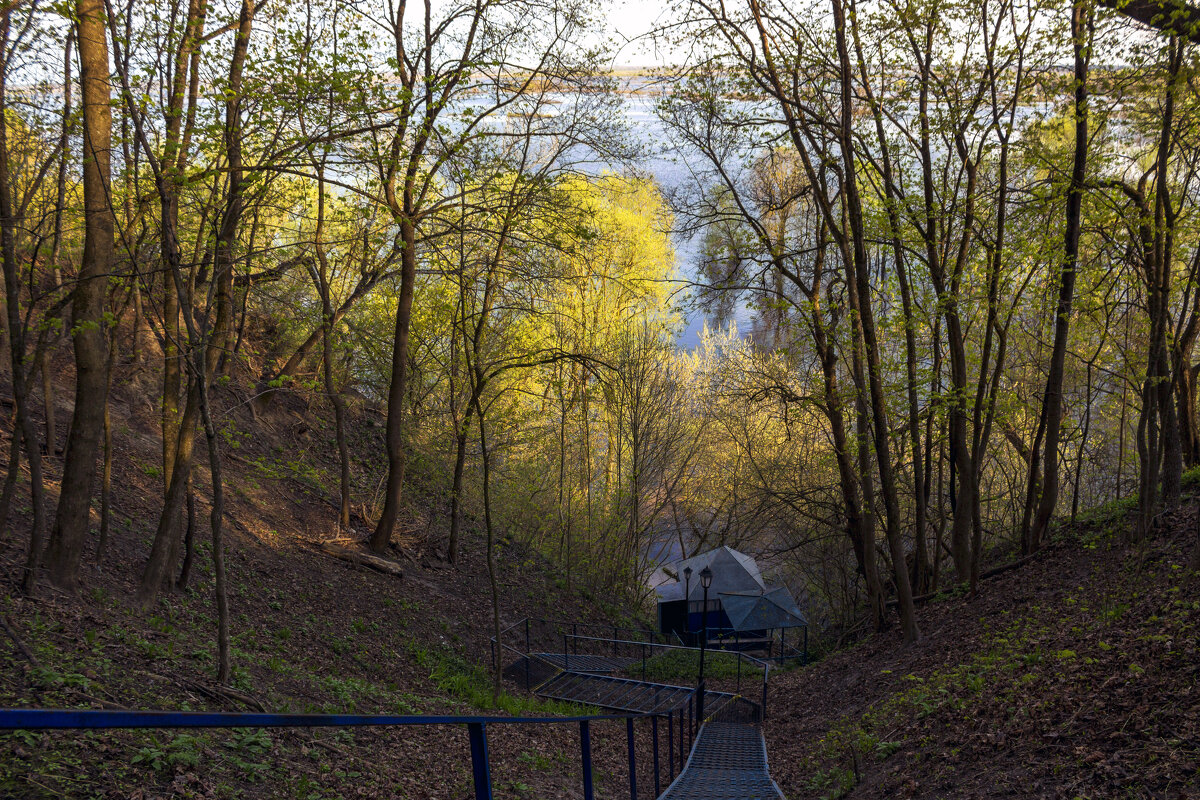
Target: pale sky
630,19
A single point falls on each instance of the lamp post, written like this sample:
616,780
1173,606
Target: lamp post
706,578
687,601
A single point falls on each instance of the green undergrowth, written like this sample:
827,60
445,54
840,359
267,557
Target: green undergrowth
455,677
1191,479
304,663
684,665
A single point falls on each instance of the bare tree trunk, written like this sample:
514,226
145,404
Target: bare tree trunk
63,148
47,371
335,396
1052,402
189,537
859,270
106,470
493,584
460,459
920,568
87,309
1087,425
216,518
184,94
223,256
164,549
16,330
394,437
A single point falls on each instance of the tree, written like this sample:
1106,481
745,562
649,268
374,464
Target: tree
88,303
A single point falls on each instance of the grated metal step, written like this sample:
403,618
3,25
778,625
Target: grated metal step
572,662
624,694
728,762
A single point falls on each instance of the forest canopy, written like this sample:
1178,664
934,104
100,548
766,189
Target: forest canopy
878,290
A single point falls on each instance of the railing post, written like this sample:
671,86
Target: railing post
654,732
643,662
585,753
566,655
766,672
527,648
632,758
479,761
574,636
614,640
739,682
691,719
671,744
806,645
682,746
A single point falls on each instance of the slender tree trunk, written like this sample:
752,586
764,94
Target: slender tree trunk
493,584
175,158
1052,403
106,470
1172,452
858,269
189,537
394,437
164,550
216,518
231,218
1087,425
460,460
87,309
16,332
920,569
47,371
64,149
10,478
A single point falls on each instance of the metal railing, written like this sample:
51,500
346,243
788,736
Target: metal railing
721,638
527,636
43,719
645,651
532,633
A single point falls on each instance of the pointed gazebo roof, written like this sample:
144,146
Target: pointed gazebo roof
732,572
756,611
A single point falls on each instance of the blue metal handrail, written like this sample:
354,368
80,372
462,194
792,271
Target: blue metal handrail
90,719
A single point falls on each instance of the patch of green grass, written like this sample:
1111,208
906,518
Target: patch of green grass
684,665
470,683
1191,478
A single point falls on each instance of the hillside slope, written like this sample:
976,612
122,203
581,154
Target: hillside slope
1073,676
310,633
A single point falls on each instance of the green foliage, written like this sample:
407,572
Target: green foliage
1191,478
470,683
181,750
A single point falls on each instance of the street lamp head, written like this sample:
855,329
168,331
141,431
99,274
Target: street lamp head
687,573
706,576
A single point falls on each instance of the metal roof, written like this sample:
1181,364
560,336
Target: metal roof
733,571
762,611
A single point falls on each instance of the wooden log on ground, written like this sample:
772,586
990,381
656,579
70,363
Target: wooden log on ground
361,559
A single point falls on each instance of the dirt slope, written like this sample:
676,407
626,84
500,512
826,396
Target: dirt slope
1074,676
310,633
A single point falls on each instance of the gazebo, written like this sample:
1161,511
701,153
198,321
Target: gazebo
742,610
